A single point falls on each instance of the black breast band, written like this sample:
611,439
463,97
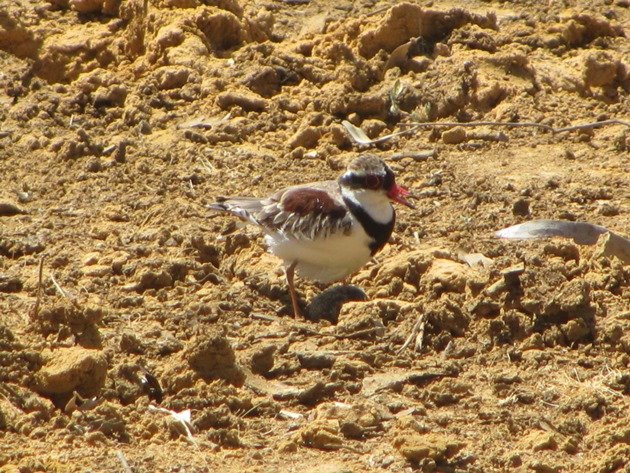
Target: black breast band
379,232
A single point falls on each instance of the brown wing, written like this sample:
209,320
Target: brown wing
306,211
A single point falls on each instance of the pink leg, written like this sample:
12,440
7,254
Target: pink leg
297,312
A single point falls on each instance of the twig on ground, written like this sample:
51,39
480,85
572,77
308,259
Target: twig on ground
358,333
123,461
63,293
542,126
417,333
586,126
283,414
415,155
39,287
268,318
359,136
58,287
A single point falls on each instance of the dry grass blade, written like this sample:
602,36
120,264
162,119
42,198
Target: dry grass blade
356,133
361,138
542,126
183,418
417,333
597,383
592,125
39,287
63,293
415,155
123,461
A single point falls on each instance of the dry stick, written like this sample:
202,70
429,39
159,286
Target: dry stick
416,155
39,287
612,121
584,126
359,333
123,461
420,336
64,293
418,329
58,287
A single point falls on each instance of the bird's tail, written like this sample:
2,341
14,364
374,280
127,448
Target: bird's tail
244,208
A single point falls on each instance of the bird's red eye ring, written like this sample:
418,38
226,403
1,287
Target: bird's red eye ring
372,182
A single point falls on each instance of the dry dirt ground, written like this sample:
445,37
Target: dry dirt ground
120,122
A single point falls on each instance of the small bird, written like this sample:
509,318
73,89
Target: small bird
326,230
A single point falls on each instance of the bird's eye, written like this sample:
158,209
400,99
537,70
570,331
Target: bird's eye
372,182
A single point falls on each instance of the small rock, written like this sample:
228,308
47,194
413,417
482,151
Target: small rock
322,434
541,467
70,369
442,49
86,6
212,357
327,304
167,344
130,343
144,127
607,209
521,207
246,100
576,330
373,128
308,395
306,137
94,165
264,81
415,447
97,270
112,96
339,136
539,440
316,360
10,284
172,77
454,136
449,275
149,279
600,69
7,209
262,360
91,258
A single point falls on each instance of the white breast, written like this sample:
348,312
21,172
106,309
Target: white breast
324,259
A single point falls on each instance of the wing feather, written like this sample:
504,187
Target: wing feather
303,212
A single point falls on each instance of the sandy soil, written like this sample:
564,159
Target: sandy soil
119,122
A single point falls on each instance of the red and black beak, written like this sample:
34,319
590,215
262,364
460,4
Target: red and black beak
398,194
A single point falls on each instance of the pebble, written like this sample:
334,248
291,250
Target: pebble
246,100
415,447
316,360
10,284
8,209
69,369
306,137
450,275
454,136
86,6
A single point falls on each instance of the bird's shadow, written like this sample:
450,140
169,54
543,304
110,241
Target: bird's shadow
327,304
